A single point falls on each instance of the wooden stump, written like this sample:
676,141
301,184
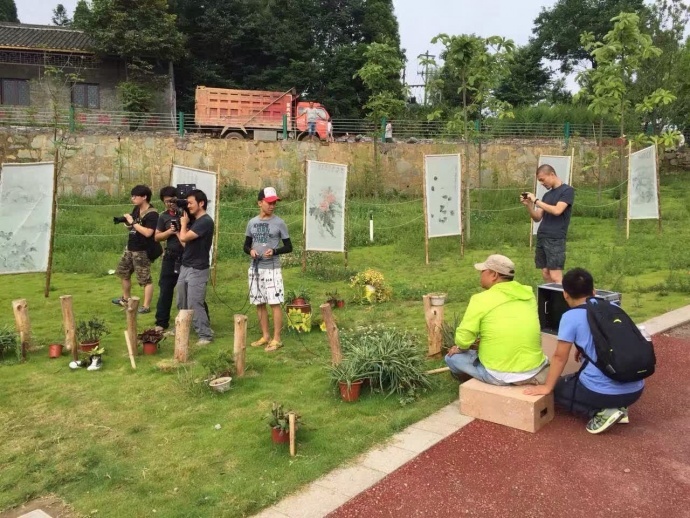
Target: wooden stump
240,343
291,422
69,326
434,326
21,319
130,350
332,332
183,322
132,308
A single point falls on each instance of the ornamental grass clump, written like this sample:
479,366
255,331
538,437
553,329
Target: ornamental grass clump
370,287
394,359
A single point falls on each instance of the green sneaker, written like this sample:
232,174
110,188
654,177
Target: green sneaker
604,419
624,419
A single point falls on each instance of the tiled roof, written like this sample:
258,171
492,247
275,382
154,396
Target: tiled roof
42,37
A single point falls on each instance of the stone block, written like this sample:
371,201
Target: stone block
548,345
506,405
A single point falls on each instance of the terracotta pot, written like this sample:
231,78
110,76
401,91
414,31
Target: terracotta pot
340,303
279,437
299,301
89,346
351,394
150,348
304,308
54,350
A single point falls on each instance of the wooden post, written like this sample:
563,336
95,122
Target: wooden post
304,216
53,212
426,216
21,319
291,422
240,343
68,325
572,162
332,331
216,215
531,221
434,325
658,184
130,350
183,322
438,371
132,308
627,216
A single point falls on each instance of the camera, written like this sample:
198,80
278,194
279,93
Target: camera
524,195
119,219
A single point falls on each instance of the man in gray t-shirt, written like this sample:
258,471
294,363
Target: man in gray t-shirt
554,213
263,236
312,115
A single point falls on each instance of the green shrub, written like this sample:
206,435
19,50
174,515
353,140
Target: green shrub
9,341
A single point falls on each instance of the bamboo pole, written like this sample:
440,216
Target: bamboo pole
130,350
21,319
131,312
332,332
216,215
304,218
240,343
462,234
68,325
293,432
426,213
183,322
627,216
658,184
438,371
53,212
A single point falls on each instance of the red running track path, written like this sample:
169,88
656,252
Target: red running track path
637,470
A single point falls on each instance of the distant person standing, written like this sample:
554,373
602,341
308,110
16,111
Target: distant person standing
389,132
329,131
167,230
553,211
313,115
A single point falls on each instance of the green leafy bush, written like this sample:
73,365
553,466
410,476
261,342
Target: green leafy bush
9,341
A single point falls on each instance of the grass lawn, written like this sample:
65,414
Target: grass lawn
126,443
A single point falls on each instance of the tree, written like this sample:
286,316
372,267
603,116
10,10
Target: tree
80,19
527,80
381,75
557,30
8,11
60,17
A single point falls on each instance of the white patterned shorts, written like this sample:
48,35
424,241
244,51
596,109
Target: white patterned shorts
266,286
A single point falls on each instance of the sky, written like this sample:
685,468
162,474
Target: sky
420,21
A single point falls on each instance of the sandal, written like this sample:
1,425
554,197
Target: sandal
260,342
273,346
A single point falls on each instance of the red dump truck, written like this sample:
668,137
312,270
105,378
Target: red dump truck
240,114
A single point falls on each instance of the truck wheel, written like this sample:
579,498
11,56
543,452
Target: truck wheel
303,136
233,135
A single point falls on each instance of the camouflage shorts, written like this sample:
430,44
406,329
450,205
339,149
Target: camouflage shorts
135,262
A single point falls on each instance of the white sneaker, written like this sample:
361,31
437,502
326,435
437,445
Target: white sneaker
203,341
78,364
96,363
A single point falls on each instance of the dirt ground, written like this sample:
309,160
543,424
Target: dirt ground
680,331
50,505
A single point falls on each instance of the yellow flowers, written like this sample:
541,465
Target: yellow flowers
371,287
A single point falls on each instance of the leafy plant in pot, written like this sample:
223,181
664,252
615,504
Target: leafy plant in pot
150,340
348,376
333,298
298,297
89,333
219,370
298,310
279,422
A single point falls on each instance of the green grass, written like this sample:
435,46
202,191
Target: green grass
126,442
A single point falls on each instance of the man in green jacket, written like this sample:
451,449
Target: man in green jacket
505,317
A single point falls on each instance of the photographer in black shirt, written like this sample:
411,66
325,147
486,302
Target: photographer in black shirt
167,230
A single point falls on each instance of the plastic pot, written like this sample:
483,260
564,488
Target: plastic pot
350,393
150,348
220,384
279,437
89,346
54,350
340,304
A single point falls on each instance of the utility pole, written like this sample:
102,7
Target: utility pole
425,72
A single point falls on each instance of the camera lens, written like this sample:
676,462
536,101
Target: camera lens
119,219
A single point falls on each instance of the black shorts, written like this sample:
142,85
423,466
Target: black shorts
550,253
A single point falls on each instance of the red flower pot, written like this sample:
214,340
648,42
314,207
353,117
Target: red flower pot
350,393
89,346
279,437
54,350
340,303
150,348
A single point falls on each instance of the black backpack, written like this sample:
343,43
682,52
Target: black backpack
155,249
623,353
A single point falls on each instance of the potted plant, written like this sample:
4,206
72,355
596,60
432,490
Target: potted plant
54,350
90,332
150,340
349,376
333,298
437,299
298,297
298,310
219,370
279,422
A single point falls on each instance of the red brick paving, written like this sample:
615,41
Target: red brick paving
487,470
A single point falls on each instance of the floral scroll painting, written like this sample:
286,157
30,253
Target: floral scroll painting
443,200
643,201
26,198
325,218
563,167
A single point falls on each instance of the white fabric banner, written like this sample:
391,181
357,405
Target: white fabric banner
563,167
26,198
442,181
204,180
325,222
643,202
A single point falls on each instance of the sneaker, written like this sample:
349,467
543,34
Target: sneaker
96,363
625,419
203,341
143,310
159,329
78,364
120,302
604,419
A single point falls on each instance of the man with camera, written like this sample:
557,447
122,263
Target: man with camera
553,211
167,230
196,237
142,225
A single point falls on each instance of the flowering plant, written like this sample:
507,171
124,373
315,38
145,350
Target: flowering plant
371,287
325,209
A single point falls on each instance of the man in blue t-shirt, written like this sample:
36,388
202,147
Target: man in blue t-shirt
589,392
553,211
